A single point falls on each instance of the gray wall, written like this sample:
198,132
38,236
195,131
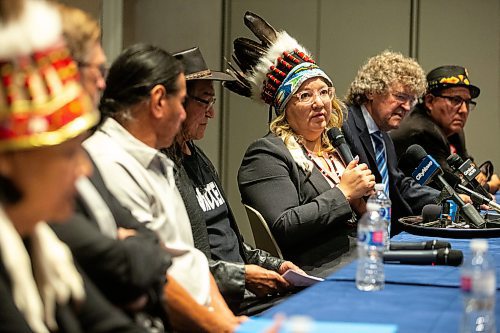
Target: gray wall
341,34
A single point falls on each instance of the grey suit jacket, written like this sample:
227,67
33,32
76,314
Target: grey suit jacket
407,196
306,216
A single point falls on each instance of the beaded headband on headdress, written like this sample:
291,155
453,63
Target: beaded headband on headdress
274,69
41,100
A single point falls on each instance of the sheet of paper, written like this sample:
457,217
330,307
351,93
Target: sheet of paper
299,279
260,325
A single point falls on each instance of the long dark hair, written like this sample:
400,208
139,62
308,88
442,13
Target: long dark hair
134,73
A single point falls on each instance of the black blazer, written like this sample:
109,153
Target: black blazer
407,196
306,216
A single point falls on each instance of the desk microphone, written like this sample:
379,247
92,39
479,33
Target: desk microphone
428,169
430,257
338,142
467,171
478,198
409,246
431,213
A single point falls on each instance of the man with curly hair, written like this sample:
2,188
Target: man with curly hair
385,89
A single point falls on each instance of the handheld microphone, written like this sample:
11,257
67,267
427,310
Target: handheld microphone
428,169
338,142
412,246
468,172
479,198
430,257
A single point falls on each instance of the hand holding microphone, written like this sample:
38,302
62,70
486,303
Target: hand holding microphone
357,179
338,141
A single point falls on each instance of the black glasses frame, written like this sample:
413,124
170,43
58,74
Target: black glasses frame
457,101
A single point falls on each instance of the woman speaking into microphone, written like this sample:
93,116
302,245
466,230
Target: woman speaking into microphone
293,176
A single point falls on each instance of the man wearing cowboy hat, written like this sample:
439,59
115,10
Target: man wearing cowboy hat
239,270
437,122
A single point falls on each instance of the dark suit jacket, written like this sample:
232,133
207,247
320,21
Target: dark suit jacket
230,276
407,196
122,269
94,315
306,216
418,127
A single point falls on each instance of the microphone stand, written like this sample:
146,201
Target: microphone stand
467,211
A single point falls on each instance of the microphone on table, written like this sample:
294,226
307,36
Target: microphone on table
412,246
431,213
338,142
467,171
478,198
444,256
428,169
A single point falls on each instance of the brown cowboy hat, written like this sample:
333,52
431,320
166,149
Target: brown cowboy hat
195,67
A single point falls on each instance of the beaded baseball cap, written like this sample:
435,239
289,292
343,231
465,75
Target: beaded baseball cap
41,100
273,69
450,76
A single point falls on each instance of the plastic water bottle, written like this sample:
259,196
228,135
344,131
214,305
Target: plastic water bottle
381,202
370,270
478,284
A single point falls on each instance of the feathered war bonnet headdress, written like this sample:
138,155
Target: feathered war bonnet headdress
274,69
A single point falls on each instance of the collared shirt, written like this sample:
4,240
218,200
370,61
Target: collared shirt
142,179
372,128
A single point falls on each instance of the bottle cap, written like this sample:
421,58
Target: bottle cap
372,207
480,245
379,187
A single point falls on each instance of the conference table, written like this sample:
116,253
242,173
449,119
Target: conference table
415,299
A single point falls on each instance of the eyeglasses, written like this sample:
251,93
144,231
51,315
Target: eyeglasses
457,101
404,98
207,103
102,68
309,96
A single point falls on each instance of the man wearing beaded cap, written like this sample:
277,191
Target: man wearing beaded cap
385,89
293,176
437,123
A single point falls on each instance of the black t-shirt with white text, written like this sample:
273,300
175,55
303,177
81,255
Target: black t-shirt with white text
222,238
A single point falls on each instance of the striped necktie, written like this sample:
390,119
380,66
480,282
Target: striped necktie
380,158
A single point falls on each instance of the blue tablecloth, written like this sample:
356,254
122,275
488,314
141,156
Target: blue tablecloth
415,298
412,309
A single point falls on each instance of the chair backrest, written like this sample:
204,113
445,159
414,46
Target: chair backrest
263,237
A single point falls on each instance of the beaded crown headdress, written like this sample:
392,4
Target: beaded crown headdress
271,70
41,100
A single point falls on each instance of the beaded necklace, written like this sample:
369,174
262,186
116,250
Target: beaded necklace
332,174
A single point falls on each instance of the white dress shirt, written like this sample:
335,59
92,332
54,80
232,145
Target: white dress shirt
142,179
